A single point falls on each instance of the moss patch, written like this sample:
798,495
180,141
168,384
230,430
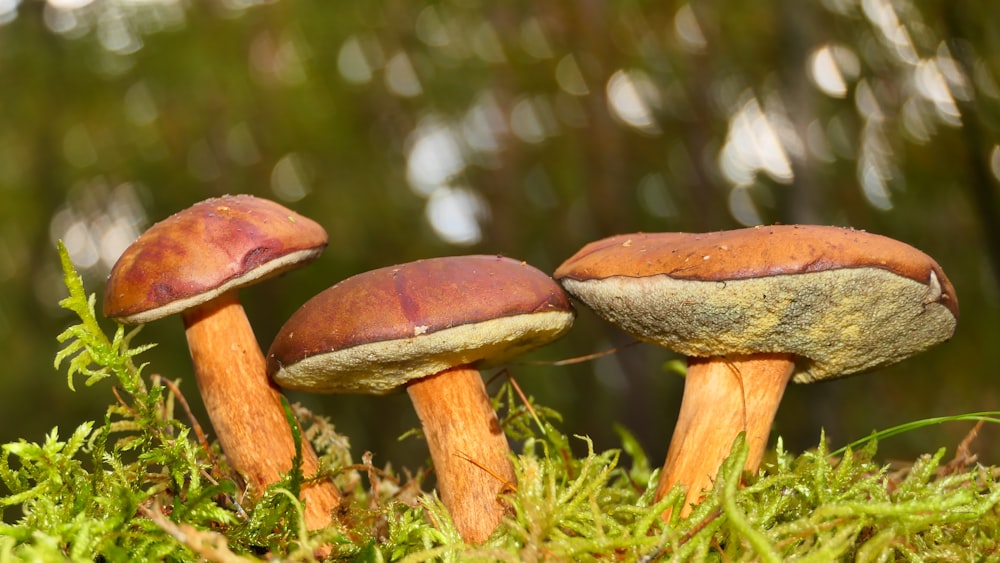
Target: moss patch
144,485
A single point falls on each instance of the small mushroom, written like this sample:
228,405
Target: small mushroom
429,326
193,263
753,308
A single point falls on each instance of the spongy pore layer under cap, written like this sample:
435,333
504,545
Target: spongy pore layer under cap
381,367
842,301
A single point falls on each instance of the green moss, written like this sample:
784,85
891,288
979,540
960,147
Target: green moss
142,485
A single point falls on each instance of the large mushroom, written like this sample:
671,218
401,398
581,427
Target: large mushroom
193,263
754,308
429,326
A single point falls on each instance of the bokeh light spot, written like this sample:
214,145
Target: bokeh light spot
8,11
570,78
830,68
484,125
752,145
532,119
358,58
400,76
742,206
688,31
290,178
455,213
435,156
632,97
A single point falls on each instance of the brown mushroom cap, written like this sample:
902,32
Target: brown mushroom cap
843,301
375,331
205,250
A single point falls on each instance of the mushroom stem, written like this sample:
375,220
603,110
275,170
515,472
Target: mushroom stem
245,408
722,397
469,449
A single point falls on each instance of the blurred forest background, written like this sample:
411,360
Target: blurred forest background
419,129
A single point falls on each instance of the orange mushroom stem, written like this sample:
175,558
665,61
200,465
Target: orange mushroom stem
722,398
246,409
469,449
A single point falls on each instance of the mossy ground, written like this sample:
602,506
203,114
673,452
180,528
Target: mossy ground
145,484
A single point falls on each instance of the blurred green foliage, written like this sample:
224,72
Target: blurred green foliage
531,129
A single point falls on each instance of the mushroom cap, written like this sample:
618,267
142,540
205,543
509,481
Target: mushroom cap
201,252
841,300
375,331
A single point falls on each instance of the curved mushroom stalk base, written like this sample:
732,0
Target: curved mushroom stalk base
245,408
722,397
469,449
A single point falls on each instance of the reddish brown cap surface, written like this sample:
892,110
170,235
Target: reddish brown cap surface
842,300
205,250
376,330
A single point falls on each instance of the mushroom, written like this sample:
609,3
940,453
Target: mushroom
753,308
193,263
429,326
